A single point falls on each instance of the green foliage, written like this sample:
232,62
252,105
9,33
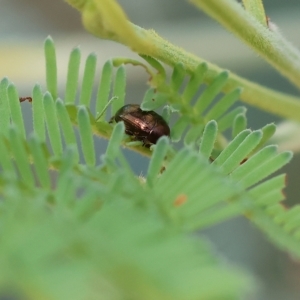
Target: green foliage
194,111
107,20
51,67
75,229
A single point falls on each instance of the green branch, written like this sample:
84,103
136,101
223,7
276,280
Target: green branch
105,19
256,9
270,45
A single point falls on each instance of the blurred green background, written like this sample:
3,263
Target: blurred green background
25,24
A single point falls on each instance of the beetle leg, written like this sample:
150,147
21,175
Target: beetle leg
112,119
22,99
129,132
146,143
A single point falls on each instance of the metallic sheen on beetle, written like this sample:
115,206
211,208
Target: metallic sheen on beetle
145,126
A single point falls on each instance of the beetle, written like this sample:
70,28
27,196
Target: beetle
145,126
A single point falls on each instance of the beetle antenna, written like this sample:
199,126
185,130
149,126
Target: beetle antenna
105,107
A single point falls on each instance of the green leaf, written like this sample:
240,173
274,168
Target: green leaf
241,152
149,101
275,183
40,162
66,124
157,65
212,216
113,154
38,114
86,136
200,190
21,156
52,124
119,90
178,128
51,67
267,168
166,113
194,83
281,226
268,131
4,106
292,220
153,100
199,271
104,224
66,190
5,158
268,192
226,121
193,134
255,161
177,77
88,80
271,45
72,77
239,124
156,162
232,146
104,88
208,138
15,109
223,104
211,92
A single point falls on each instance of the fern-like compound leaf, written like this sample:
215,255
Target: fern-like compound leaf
103,224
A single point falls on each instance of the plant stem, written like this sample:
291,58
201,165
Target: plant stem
270,45
254,94
256,9
105,19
